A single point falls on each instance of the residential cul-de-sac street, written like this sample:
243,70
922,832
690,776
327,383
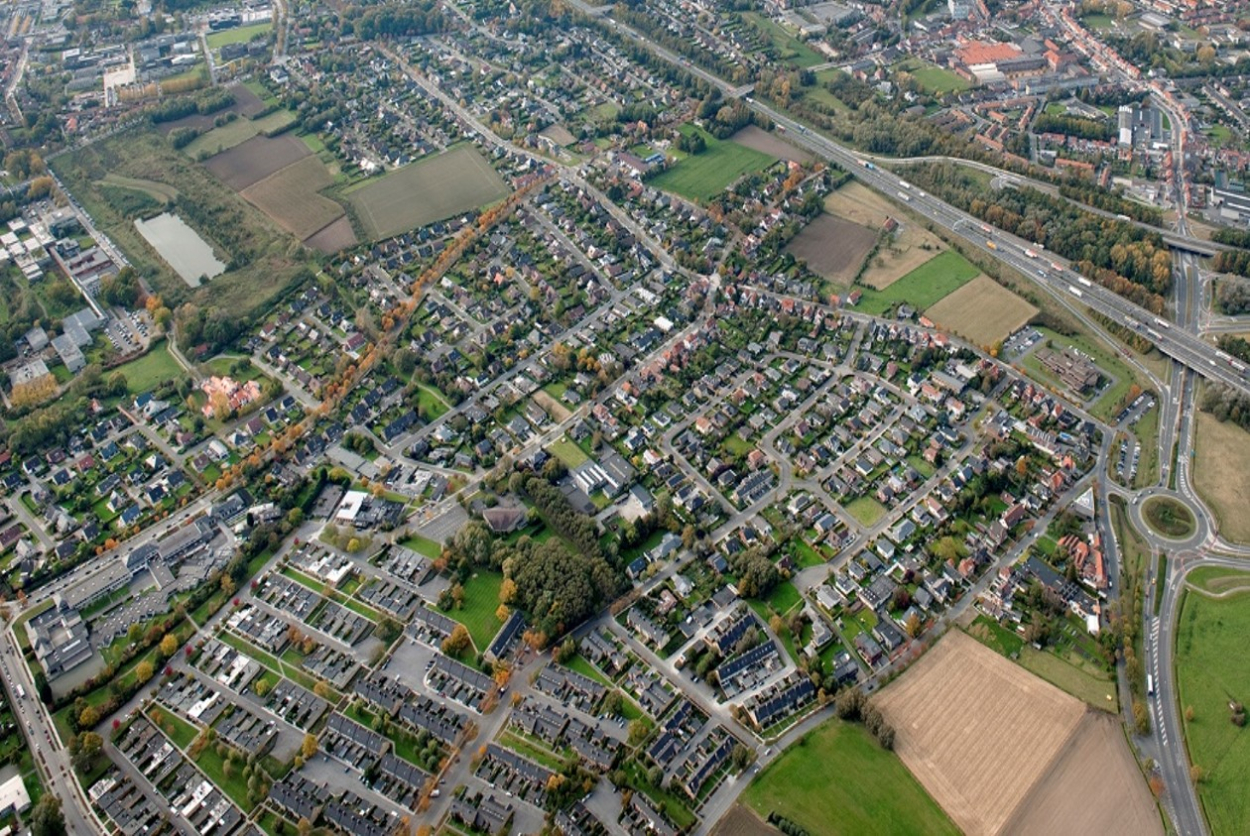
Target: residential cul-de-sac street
645,418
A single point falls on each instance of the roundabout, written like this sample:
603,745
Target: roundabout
1169,520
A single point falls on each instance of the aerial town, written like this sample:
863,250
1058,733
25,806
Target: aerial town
653,418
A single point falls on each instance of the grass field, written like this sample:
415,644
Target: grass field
481,599
428,190
982,311
935,79
292,197
1217,579
157,366
789,49
1210,671
703,176
432,401
423,546
866,510
838,780
1080,682
237,35
236,133
568,452
1221,474
923,286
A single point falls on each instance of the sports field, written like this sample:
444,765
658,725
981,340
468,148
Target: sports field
1222,475
429,190
291,197
834,248
838,780
1211,672
982,311
922,287
1000,749
701,177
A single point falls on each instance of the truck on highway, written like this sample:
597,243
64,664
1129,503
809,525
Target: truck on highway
991,245
1162,323
1031,253
1075,291
1056,266
1150,685
904,184
987,229
21,692
904,196
1084,281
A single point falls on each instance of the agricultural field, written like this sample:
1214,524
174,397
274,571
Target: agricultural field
1221,473
766,142
909,247
922,287
237,132
251,161
703,176
1028,736
426,191
1210,672
838,780
833,248
228,223
292,198
982,311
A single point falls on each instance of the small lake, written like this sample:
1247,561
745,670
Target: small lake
182,247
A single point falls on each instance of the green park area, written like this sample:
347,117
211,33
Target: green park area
1213,681
838,780
704,175
150,370
935,79
477,613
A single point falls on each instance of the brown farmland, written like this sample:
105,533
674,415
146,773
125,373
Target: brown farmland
291,198
908,248
337,236
759,139
982,311
252,161
833,248
994,745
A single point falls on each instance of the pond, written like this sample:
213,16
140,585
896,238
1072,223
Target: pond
183,249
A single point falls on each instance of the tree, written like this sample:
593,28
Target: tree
458,642
143,672
322,689
88,717
86,747
1196,774
169,645
309,747
134,632
638,731
46,819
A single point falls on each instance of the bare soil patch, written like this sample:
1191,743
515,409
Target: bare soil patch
834,248
337,236
246,103
982,311
908,248
740,821
559,134
1096,755
557,411
755,137
252,161
291,197
977,730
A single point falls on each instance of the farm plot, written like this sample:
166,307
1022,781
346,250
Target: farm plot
426,191
909,247
922,287
333,238
291,197
252,161
982,311
833,248
977,731
766,142
703,176
237,132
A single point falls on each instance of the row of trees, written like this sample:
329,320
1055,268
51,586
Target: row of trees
1047,123
173,109
1227,404
1236,262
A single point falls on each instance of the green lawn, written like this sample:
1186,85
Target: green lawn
153,368
1211,672
935,79
1217,579
568,452
922,287
866,510
423,546
703,176
784,597
1082,681
481,599
838,780
431,402
237,35
214,766
582,665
